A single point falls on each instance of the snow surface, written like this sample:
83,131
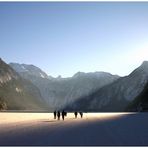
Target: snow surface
23,68
100,129
42,75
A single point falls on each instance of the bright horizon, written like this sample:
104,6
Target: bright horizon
63,38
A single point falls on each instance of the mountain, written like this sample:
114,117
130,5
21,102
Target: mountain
115,96
58,92
17,93
29,70
140,103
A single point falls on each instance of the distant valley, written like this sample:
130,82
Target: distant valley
58,92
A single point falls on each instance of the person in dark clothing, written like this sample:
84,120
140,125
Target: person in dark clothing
58,115
55,114
63,114
81,114
75,114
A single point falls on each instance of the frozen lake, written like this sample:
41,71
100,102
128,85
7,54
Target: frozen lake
94,129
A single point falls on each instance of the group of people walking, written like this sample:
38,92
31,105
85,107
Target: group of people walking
76,114
58,114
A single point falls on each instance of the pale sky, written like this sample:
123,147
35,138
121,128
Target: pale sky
63,38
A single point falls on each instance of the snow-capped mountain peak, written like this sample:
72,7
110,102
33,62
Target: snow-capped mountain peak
29,70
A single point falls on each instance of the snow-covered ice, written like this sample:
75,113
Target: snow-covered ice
95,129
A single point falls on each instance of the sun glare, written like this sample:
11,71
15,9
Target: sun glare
141,54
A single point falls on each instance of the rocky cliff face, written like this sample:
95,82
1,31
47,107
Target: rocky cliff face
17,93
140,103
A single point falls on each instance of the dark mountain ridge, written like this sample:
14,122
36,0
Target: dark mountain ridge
140,103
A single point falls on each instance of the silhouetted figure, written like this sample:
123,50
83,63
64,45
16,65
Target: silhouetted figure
55,114
81,114
63,114
58,115
75,114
